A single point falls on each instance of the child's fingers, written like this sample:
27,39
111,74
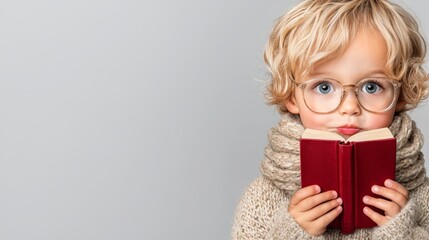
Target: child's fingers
304,193
379,219
317,199
326,219
397,187
390,208
391,194
322,209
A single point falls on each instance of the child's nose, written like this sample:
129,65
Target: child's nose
350,104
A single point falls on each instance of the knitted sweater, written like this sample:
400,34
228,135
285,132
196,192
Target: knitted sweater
262,212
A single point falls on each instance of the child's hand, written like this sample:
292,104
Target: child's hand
396,195
314,210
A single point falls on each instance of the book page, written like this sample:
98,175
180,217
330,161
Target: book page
379,133
319,134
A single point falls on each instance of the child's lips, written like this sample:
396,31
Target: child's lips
348,130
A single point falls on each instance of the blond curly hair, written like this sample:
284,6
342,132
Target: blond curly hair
316,31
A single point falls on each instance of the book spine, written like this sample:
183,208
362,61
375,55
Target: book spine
346,181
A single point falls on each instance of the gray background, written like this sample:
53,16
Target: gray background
133,119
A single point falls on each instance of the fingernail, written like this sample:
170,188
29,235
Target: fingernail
375,188
365,199
334,194
340,201
388,183
365,209
317,188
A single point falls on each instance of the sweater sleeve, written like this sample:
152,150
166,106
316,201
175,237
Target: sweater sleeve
413,220
262,214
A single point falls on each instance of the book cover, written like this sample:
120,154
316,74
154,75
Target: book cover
350,167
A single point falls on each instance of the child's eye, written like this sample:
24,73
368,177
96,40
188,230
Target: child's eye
371,87
324,87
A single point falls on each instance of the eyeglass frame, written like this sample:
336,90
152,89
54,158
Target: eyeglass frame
395,83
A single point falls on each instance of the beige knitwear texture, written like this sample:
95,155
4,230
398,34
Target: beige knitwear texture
262,210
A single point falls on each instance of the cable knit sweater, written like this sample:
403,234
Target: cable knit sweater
262,211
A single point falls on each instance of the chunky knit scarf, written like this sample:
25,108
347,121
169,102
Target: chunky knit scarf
281,164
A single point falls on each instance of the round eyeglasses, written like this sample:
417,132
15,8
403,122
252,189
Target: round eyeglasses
373,94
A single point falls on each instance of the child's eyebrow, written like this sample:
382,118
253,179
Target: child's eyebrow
377,72
364,74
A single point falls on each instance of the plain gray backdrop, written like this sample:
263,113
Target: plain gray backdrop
126,119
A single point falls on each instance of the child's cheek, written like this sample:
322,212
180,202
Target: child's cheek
368,120
317,121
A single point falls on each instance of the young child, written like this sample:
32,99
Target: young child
340,66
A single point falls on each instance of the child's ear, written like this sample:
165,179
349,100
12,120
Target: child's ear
292,106
400,106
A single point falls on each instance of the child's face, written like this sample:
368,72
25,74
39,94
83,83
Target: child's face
364,58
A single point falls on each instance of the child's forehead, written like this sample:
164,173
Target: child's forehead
366,53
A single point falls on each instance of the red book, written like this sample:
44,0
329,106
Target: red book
350,167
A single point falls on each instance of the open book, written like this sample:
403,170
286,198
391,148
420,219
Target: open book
350,167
